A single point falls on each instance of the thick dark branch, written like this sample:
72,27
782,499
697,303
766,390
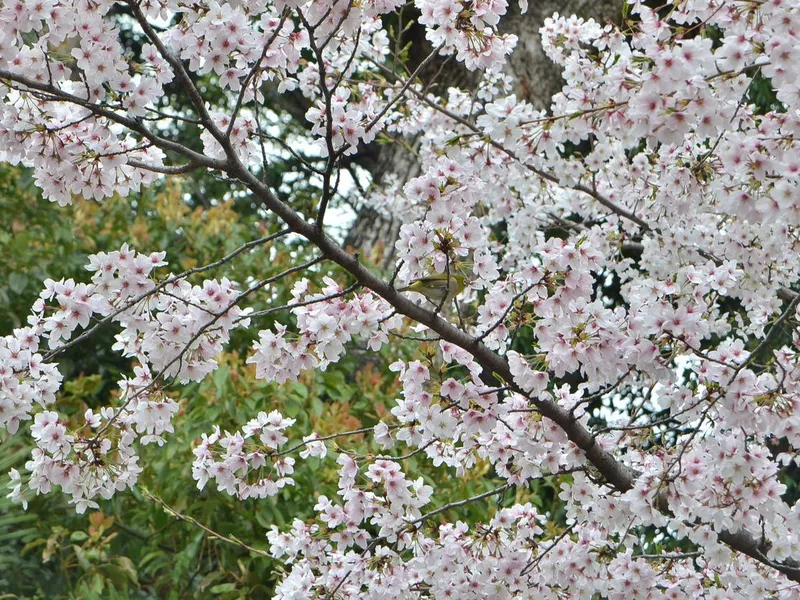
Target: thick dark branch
746,544
165,169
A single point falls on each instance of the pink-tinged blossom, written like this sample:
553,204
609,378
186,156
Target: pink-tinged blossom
242,464
325,324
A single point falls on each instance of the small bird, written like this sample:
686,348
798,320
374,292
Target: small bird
441,290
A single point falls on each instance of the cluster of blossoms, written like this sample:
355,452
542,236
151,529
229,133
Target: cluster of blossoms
88,461
507,557
226,40
345,123
177,329
235,462
637,351
325,322
468,29
244,46
25,379
448,231
388,502
71,151
351,114
174,329
85,463
683,97
73,155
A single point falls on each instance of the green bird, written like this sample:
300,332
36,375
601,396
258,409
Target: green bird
439,289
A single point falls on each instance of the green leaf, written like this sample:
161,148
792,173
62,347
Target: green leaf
126,564
16,519
116,574
317,406
209,579
222,588
220,380
18,534
17,282
34,544
292,407
98,583
78,536
301,390
81,556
